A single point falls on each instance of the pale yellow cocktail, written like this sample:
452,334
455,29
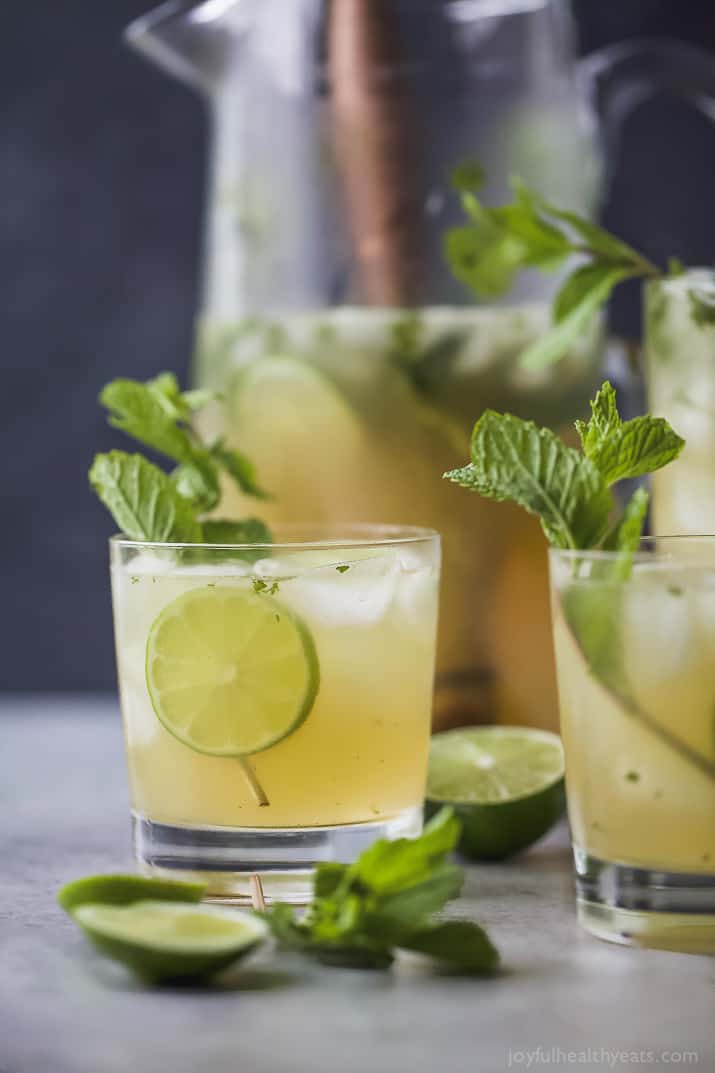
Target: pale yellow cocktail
636,674
318,656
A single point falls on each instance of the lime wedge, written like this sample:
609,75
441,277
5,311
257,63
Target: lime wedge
124,889
168,940
506,785
230,672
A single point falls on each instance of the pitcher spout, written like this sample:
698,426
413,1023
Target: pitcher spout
188,40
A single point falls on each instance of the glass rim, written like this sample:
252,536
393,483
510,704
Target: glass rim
642,553
353,535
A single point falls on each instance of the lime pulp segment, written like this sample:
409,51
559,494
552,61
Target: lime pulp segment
169,940
506,785
173,926
230,672
493,765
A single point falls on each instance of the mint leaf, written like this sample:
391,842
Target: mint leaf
640,446
578,287
197,481
516,461
702,306
598,240
404,909
388,866
142,499
247,531
499,242
239,468
461,944
575,308
604,421
483,258
143,411
626,536
545,246
593,611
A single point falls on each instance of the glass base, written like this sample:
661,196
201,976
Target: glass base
645,907
225,858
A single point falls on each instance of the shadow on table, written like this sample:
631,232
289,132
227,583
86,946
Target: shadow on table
254,979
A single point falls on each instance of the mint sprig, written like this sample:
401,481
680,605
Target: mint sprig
568,490
386,900
149,504
497,243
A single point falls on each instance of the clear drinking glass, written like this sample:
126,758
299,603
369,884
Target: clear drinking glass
276,699
635,655
680,367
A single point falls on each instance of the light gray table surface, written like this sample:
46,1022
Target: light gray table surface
63,1009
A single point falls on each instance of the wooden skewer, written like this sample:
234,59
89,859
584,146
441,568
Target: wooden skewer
258,900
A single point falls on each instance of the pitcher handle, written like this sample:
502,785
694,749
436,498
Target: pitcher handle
620,77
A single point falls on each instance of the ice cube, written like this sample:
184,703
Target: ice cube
658,627
359,595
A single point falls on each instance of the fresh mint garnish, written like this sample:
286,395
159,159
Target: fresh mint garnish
622,450
515,460
386,900
149,504
143,500
497,243
568,490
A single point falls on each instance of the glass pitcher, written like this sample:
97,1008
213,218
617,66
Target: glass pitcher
353,364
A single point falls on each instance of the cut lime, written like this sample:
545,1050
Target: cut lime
230,672
292,417
124,889
167,940
506,785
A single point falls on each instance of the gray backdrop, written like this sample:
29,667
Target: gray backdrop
101,181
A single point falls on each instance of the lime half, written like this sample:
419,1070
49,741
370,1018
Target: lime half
168,940
506,785
230,672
